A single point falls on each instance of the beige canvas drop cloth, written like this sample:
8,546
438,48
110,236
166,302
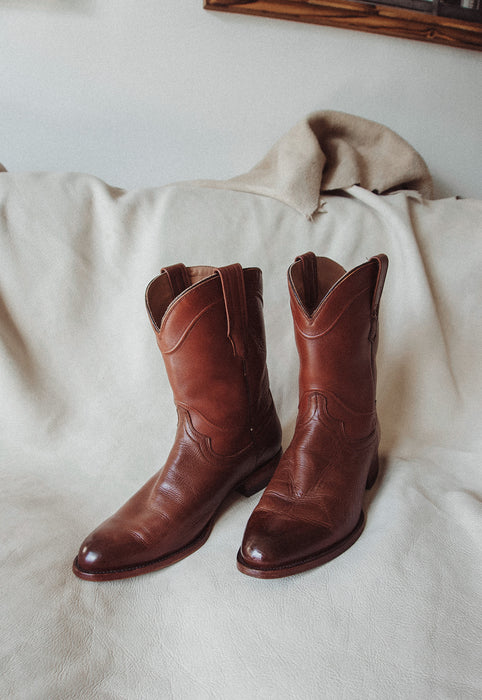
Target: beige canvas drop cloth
87,416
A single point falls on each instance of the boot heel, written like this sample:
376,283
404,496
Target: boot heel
260,478
373,473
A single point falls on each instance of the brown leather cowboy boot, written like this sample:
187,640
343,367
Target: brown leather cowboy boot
311,510
210,330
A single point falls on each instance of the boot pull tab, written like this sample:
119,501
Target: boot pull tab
234,293
178,277
310,279
382,261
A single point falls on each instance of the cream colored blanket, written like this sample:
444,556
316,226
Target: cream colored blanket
87,417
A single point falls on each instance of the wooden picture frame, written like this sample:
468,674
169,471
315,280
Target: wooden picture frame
448,22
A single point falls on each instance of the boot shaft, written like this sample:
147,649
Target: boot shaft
335,315
210,330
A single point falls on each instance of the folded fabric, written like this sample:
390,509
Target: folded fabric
330,151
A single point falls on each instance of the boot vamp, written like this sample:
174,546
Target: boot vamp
142,530
314,499
169,512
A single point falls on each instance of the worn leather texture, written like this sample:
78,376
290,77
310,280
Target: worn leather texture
311,510
211,335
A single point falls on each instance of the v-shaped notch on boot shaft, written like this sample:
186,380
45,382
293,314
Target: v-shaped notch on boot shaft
178,284
212,339
335,316
313,280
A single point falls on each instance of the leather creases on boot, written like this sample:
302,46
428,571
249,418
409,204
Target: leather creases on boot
210,330
311,510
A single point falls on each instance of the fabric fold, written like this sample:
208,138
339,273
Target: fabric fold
327,151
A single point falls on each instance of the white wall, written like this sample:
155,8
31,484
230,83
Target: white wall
146,92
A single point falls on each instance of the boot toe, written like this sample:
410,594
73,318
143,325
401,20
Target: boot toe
273,541
275,545
95,556
105,553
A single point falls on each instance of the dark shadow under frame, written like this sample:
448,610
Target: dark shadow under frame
378,18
